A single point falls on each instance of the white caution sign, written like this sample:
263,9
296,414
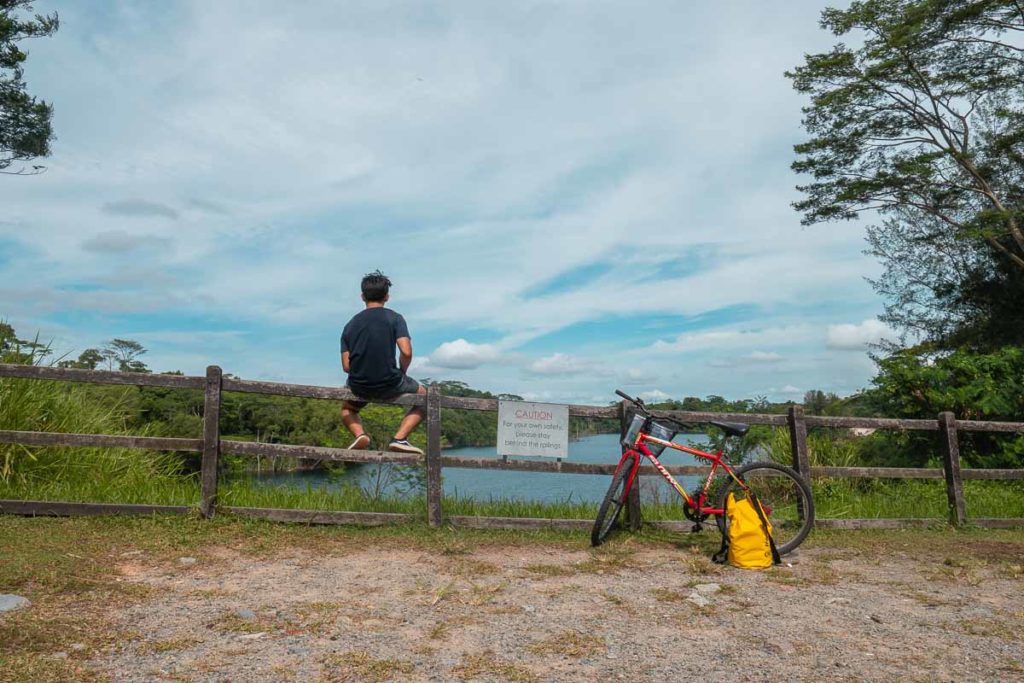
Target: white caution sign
533,429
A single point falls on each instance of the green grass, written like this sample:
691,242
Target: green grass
100,474
833,498
910,498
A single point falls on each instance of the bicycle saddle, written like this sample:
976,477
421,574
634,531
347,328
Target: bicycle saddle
732,428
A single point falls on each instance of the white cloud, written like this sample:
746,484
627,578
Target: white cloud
849,337
468,164
654,396
461,354
790,389
122,241
638,376
737,338
559,364
762,357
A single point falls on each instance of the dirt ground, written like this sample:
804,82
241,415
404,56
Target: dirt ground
628,612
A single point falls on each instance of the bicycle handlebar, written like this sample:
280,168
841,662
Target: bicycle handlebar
639,403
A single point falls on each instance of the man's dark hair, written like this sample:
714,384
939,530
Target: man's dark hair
375,286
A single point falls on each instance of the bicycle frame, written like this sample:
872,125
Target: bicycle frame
698,503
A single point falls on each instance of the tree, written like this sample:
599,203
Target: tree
87,360
125,353
954,294
973,386
25,123
927,114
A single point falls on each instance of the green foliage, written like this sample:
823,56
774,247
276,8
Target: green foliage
32,405
25,128
912,384
924,122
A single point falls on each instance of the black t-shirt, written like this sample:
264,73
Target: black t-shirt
370,339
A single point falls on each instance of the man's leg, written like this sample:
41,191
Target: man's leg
411,419
350,418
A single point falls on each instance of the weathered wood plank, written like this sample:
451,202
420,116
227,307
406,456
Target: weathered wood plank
563,467
467,403
211,442
141,379
525,465
320,516
310,391
280,450
989,426
951,468
871,423
991,474
518,522
798,445
996,522
152,443
701,417
45,508
433,456
890,523
878,472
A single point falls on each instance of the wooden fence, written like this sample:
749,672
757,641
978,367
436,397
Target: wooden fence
212,446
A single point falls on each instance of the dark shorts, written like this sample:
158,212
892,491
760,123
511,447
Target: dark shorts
407,386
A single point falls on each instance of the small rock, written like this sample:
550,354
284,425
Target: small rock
10,602
875,618
246,614
698,599
60,655
528,608
187,561
837,601
77,647
252,636
707,588
611,656
132,553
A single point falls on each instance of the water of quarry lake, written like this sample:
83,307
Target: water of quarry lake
483,485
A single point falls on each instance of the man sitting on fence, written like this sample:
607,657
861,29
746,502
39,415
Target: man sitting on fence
368,356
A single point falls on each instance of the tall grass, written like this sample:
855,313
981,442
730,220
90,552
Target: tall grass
135,476
100,474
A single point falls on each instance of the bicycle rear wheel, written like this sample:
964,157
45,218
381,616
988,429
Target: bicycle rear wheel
786,498
611,506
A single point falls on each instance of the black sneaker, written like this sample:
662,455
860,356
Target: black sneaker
403,446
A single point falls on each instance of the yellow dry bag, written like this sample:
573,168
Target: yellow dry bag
748,540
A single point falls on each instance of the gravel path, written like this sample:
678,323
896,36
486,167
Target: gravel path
546,614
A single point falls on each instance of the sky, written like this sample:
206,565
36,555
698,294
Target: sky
570,197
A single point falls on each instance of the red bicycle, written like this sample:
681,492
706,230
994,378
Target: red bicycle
783,493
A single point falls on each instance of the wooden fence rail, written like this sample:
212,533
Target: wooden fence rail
211,446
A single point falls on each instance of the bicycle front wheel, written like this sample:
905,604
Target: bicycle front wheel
786,498
611,506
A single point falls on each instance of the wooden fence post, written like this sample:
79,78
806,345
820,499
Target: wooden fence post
633,501
798,443
434,456
951,466
211,441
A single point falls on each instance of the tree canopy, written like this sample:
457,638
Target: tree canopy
25,122
925,114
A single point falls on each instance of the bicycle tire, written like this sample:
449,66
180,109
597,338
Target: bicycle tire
611,507
783,492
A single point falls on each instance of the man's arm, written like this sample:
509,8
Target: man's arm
404,353
344,361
